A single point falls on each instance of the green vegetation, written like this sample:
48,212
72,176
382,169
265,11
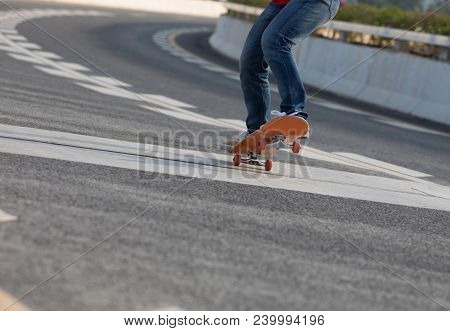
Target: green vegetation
395,18
404,4
386,16
256,3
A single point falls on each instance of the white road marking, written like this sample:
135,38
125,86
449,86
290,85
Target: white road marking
384,165
378,118
187,115
5,217
216,69
110,81
70,74
9,49
28,45
112,91
166,40
167,100
359,161
74,66
213,166
237,124
408,126
7,31
26,58
47,55
195,61
17,37
234,77
336,106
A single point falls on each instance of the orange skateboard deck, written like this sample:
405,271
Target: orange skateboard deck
281,132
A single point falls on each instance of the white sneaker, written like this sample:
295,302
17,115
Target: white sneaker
276,113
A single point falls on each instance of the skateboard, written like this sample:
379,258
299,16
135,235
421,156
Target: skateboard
279,133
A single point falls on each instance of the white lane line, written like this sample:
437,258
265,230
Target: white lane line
74,66
408,126
47,55
8,31
238,124
10,49
17,37
187,115
195,61
30,46
27,58
336,106
167,100
359,161
116,92
5,217
70,74
7,299
110,81
216,69
173,161
234,77
384,165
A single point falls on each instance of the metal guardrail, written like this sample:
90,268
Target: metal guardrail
418,43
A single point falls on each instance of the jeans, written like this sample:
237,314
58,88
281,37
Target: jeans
270,43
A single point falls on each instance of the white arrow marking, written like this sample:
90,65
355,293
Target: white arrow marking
188,163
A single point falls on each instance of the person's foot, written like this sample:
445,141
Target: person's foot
299,113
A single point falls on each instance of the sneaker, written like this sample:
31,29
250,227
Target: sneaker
277,113
301,114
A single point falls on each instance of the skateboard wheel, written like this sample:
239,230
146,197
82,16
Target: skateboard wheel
268,165
237,160
296,147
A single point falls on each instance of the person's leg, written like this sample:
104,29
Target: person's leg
294,23
255,73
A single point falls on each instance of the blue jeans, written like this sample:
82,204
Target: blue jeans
270,43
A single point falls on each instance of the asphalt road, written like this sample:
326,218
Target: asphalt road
202,242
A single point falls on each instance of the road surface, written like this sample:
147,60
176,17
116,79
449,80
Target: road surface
91,218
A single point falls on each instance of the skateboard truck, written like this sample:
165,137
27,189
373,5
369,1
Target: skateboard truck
252,160
279,133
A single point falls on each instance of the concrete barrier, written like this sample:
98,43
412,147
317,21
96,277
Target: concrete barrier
203,8
403,82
